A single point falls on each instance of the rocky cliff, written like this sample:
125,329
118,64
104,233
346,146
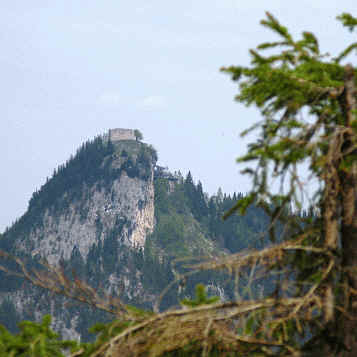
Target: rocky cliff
126,208
95,212
114,219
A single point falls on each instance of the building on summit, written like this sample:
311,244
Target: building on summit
121,134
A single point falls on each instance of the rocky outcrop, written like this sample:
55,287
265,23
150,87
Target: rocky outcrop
94,219
128,203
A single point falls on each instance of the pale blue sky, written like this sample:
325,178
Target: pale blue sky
73,69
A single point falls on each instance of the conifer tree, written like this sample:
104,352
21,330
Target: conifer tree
138,135
308,103
34,340
201,201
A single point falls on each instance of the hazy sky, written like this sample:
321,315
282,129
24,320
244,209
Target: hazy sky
70,70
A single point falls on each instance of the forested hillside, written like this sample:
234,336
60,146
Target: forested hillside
91,194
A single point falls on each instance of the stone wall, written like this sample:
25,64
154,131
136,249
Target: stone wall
121,134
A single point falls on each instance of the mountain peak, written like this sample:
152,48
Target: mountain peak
120,134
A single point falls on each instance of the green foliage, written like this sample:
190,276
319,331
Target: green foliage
348,21
201,298
162,203
145,159
111,245
174,210
138,135
286,83
34,340
85,168
9,314
157,275
306,99
170,231
195,198
104,332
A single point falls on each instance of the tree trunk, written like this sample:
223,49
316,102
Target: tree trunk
348,179
340,215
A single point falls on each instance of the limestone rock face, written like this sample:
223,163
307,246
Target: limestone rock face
129,202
